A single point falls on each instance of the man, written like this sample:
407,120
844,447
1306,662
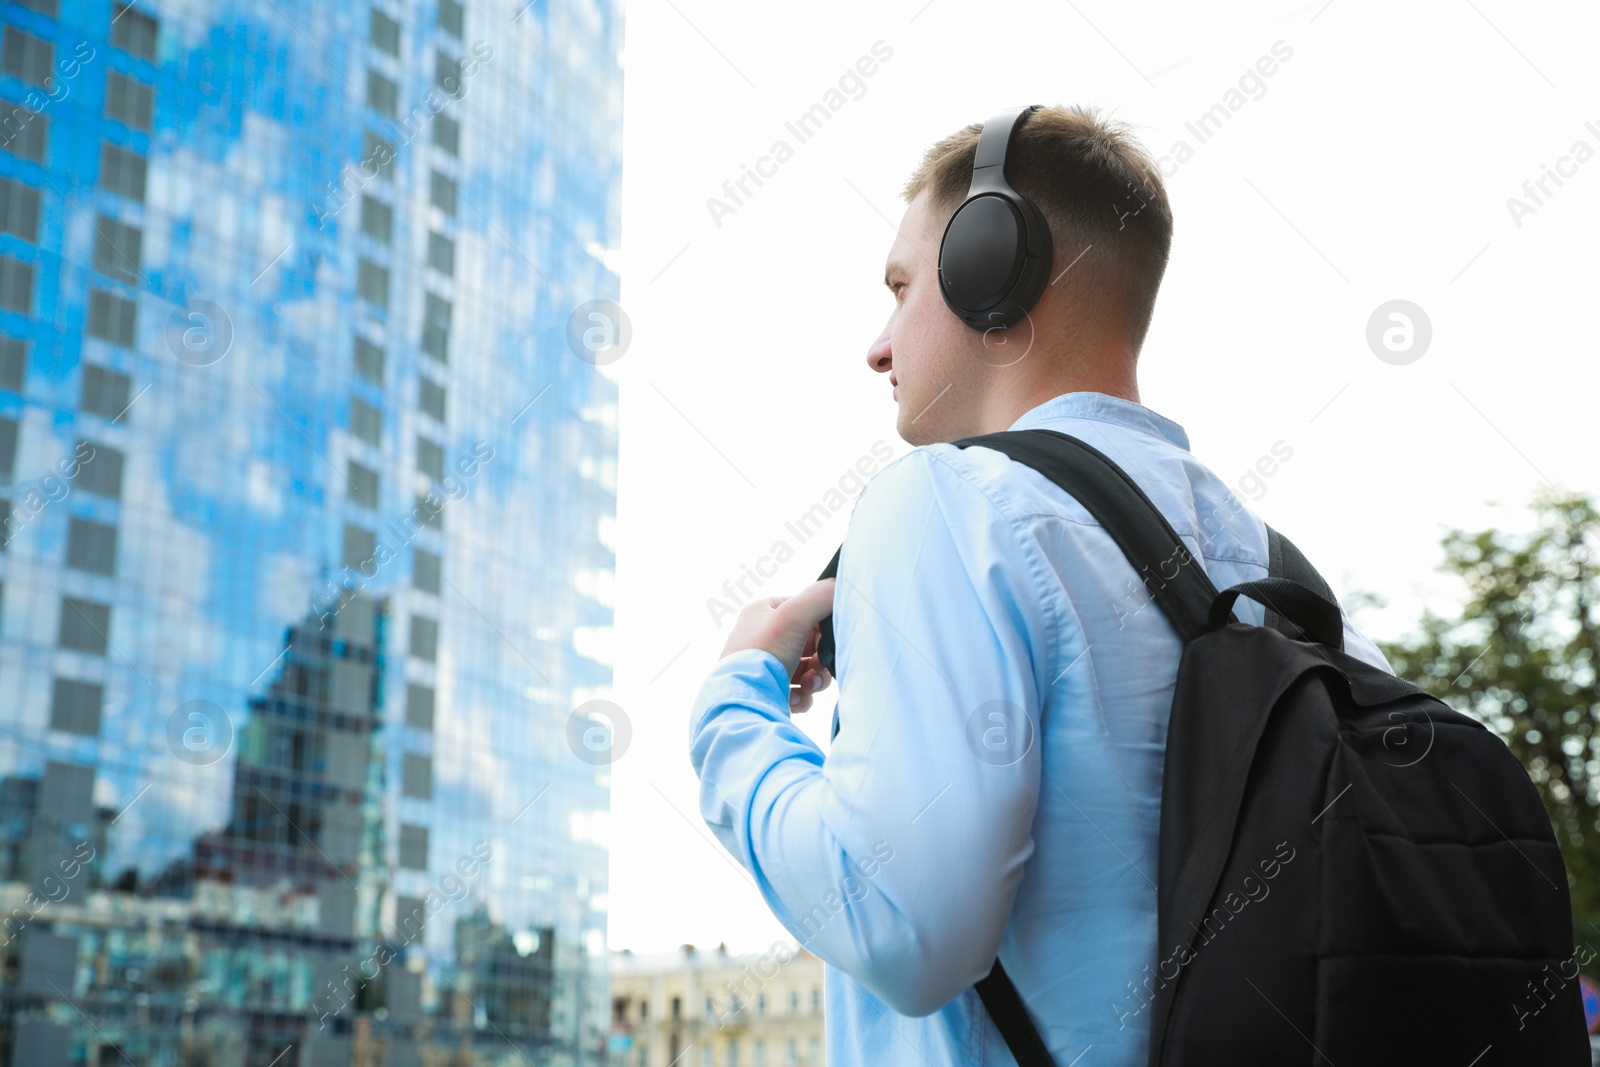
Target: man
994,787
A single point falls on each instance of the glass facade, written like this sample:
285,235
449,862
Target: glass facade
306,513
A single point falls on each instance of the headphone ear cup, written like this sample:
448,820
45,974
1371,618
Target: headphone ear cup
980,256
1037,263
994,260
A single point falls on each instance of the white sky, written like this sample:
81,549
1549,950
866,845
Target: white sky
1376,166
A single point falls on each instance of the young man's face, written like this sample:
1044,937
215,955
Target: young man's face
938,363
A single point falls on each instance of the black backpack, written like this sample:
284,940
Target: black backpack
1422,912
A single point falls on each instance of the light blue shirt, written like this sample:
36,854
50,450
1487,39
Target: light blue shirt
1004,682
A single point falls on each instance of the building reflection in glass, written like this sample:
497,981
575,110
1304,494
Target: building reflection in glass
305,531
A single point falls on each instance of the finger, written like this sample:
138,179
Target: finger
812,604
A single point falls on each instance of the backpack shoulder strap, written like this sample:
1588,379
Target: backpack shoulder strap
1147,539
1181,590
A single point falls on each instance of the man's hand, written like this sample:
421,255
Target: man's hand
787,628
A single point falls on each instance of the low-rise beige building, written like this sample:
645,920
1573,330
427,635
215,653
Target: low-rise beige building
706,1008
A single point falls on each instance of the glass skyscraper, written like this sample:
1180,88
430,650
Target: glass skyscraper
306,555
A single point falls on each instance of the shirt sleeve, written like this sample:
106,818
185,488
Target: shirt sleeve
896,858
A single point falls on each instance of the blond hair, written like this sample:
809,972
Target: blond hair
1097,188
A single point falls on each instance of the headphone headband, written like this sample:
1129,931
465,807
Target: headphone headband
995,139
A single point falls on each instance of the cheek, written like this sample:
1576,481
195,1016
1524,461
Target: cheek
945,342
918,328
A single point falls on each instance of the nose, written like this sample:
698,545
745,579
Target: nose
879,356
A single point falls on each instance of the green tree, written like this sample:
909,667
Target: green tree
1522,659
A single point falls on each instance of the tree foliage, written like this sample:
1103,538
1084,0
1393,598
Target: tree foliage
1522,658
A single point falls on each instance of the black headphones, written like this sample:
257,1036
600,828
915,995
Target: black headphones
995,258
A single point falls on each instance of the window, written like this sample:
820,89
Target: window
436,327
122,171
24,133
761,1004
133,31
363,485
419,706
8,448
428,514
447,73
104,392
447,134
816,1001
416,776
377,219
814,1051
424,638
369,360
441,251
442,193
22,55
424,570
366,422
677,1007
378,156
372,284
14,364
413,847
84,625
130,102
733,1054
761,1053
92,546
430,459
16,285
450,17
75,707
430,397
117,249
410,917
101,473
19,210
384,33
383,96
359,546
794,1002
112,318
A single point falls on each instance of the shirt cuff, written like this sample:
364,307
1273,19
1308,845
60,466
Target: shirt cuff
751,678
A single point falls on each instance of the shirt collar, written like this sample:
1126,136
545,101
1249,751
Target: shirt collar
1102,408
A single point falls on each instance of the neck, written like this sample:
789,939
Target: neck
1012,399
